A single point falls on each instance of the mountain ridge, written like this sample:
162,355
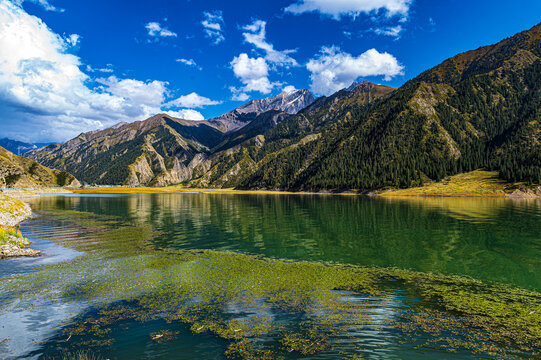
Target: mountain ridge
441,123
163,150
18,171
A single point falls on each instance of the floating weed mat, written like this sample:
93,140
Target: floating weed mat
270,308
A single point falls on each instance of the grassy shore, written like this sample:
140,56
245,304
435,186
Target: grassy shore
12,243
477,183
12,210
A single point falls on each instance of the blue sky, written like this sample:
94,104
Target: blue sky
72,66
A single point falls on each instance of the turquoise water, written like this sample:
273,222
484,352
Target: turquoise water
494,240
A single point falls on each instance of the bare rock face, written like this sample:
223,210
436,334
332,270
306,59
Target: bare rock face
526,193
290,103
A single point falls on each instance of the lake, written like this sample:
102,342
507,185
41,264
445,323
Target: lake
78,296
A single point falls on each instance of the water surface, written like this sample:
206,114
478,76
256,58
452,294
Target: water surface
494,240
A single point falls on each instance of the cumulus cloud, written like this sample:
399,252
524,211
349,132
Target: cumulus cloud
150,93
333,70
192,100
156,30
340,8
253,73
290,89
213,26
73,39
45,94
186,114
256,35
238,94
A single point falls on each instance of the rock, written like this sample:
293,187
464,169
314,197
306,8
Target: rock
525,194
15,248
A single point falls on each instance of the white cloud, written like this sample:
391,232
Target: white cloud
256,34
47,96
43,3
156,30
393,31
189,62
150,93
108,69
186,114
290,89
253,73
213,26
339,8
333,70
73,39
192,100
238,95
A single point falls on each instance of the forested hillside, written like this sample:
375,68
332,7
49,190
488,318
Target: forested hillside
480,109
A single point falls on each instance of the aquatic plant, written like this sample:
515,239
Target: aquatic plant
268,308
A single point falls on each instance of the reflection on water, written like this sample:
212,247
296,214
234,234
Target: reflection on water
489,239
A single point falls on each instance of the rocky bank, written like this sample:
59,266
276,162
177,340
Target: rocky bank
12,243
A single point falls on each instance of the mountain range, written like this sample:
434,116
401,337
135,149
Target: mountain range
19,147
479,109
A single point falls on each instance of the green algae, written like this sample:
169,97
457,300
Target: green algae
239,298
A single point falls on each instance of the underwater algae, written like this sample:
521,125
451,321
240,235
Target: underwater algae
268,308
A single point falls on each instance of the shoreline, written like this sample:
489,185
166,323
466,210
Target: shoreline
13,211
477,183
406,193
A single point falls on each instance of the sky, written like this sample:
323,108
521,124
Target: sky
68,67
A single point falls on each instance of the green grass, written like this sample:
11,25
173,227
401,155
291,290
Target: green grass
475,183
11,205
6,236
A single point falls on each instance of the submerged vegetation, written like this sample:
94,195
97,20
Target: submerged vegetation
268,308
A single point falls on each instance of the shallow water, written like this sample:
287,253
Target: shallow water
495,240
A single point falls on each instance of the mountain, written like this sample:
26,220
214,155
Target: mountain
163,150
479,109
132,153
17,147
243,158
289,103
17,171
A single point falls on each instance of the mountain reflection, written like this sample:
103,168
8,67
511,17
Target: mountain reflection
447,235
